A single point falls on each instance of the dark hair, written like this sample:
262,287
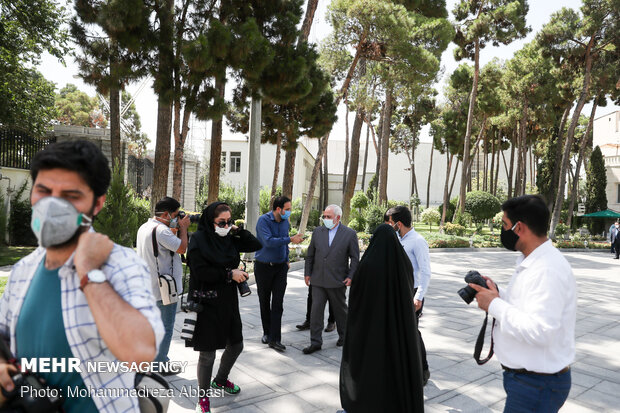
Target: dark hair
221,208
167,204
279,202
400,214
529,209
386,216
79,156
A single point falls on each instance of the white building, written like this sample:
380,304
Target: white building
606,134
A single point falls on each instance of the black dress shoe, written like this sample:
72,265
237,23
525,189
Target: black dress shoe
311,349
303,326
265,339
340,342
276,345
330,327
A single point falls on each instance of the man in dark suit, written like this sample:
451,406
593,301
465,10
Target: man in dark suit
331,261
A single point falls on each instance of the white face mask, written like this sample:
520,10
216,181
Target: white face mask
222,232
329,223
55,220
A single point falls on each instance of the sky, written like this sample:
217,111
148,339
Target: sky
146,101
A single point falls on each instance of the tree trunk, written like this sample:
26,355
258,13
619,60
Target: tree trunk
309,17
582,149
325,179
470,122
179,151
456,168
365,158
289,173
385,147
557,209
354,164
428,184
485,165
276,171
555,178
115,126
313,178
372,132
215,162
497,168
446,196
321,186
511,170
492,167
346,150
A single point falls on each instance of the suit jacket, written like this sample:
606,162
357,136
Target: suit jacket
328,266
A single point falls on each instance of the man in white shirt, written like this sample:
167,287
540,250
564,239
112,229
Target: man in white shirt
171,240
416,248
534,333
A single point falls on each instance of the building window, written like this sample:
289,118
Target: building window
223,165
618,194
235,162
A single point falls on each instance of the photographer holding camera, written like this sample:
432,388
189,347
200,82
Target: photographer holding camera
160,240
534,332
213,257
78,295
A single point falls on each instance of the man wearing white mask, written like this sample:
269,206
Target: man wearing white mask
78,295
160,240
331,261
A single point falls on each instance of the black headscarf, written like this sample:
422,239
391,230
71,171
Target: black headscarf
215,249
381,368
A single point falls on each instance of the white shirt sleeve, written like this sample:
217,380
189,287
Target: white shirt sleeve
424,263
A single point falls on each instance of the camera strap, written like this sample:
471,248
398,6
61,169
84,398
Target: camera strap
480,341
156,251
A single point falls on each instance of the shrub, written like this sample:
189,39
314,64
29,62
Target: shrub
451,208
448,243
122,213
19,220
570,244
561,229
481,205
430,216
374,217
453,229
313,218
360,201
463,219
265,198
497,220
358,224
235,198
3,219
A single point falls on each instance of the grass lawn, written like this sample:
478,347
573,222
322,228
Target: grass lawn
10,255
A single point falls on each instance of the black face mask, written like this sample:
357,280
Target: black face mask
509,238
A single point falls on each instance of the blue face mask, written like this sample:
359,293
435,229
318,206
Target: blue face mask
329,223
285,214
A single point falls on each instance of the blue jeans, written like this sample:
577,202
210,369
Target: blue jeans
168,313
535,393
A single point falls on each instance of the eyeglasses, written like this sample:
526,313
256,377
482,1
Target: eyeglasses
326,217
222,224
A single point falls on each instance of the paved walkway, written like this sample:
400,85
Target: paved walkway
293,382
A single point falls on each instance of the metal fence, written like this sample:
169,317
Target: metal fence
17,148
139,173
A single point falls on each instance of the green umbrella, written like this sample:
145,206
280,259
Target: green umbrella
608,213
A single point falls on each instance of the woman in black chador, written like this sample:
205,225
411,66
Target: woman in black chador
381,368
213,257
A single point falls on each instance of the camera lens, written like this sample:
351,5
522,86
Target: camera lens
467,294
244,289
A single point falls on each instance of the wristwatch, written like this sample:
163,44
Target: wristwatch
93,276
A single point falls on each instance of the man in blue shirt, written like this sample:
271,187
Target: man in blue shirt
416,248
271,266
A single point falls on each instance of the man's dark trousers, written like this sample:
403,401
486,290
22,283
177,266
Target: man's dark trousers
337,298
330,319
418,314
271,285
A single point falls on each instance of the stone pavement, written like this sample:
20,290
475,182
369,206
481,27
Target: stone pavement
292,382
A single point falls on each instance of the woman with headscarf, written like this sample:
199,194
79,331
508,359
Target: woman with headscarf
213,257
381,369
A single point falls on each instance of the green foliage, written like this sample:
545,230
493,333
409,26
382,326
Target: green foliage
497,220
430,216
371,192
358,224
463,219
373,216
76,108
561,229
596,183
19,221
122,213
448,243
314,219
235,198
296,208
454,229
360,200
27,29
481,205
451,208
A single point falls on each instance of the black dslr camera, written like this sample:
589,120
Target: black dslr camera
244,288
193,218
467,293
31,394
